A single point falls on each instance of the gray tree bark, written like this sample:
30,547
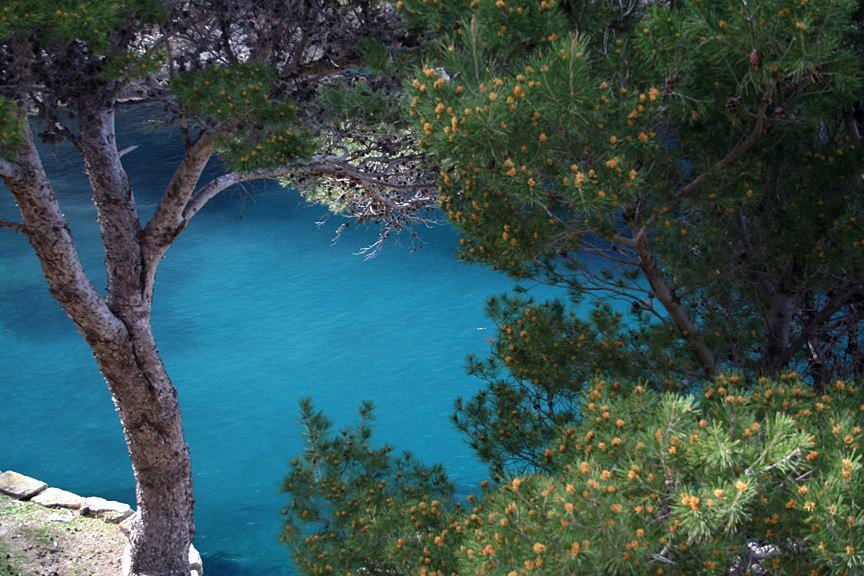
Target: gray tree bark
117,328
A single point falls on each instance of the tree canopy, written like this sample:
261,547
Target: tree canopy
690,173
742,479
699,160
693,169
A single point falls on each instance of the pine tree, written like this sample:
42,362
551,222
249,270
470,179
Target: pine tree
357,508
697,163
701,163
740,478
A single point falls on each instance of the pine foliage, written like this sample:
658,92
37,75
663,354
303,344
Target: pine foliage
356,508
699,160
738,479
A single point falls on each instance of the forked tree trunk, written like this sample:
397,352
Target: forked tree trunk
118,330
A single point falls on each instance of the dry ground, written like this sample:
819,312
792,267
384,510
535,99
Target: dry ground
38,541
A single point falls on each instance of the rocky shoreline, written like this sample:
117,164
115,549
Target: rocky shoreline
25,488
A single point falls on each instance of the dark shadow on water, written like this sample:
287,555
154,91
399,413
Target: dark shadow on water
222,564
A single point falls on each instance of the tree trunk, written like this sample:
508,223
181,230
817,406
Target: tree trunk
150,414
117,328
778,323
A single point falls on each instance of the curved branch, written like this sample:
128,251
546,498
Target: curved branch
739,150
225,181
317,166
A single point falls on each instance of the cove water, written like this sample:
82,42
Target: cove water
255,307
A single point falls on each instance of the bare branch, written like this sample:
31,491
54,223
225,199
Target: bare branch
817,322
14,226
225,181
394,199
614,256
127,150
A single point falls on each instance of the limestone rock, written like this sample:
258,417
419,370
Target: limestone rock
107,510
126,562
20,486
195,562
56,498
126,525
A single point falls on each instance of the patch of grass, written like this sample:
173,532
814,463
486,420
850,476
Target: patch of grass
9,565
32,538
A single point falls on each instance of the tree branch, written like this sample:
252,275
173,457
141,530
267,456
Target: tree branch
670,302
335,167
119,223
739,150
169,219
852,129
817,322
50,236
14,226
317,167
223,182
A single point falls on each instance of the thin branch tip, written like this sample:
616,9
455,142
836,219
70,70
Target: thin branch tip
14,226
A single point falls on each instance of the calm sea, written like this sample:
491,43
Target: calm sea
255,308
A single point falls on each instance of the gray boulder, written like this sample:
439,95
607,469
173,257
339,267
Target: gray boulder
19,486
57,498
107,510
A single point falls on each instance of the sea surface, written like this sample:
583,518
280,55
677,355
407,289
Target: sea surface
255,308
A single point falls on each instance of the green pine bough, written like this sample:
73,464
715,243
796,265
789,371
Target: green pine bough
699,161
734,479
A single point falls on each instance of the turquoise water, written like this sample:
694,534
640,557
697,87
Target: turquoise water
255,308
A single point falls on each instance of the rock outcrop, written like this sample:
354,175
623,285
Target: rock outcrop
23,487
